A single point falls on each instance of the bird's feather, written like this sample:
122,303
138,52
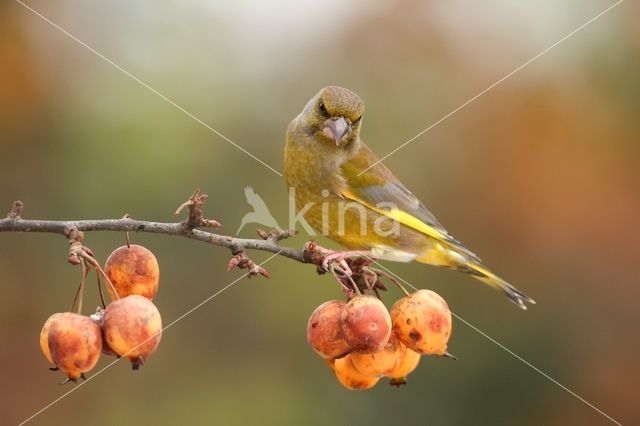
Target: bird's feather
379,190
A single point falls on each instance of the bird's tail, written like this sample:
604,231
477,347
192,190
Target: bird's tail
486,276
454,257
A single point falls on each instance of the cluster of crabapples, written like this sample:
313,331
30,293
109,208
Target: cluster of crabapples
130,326
361,341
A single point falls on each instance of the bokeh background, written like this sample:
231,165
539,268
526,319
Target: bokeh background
539,176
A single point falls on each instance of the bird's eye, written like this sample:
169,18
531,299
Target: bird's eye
357,120
323,109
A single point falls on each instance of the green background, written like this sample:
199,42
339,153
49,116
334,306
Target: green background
539,176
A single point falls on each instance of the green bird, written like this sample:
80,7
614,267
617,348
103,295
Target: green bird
345,193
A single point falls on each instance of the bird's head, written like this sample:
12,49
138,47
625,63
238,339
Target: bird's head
334,115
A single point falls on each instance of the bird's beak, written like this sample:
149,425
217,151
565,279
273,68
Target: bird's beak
336,129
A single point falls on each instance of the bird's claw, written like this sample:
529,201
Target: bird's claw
337,259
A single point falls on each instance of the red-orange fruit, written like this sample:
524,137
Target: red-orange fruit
44,338
422,321
75,342
407,361
132,328
350,377
366,324
324,333
378,364
133,270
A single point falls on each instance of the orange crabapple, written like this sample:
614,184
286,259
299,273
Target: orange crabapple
75,343
422,321
133,270
324,333
132,328
366,324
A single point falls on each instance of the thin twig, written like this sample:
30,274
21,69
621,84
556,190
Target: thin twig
104,305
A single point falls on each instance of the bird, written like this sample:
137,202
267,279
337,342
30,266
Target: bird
260,213
344,192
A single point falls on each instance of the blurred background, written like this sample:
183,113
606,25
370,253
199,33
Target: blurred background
539,176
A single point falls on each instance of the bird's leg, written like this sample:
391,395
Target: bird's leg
340,256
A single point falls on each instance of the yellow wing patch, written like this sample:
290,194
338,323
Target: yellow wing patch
402,217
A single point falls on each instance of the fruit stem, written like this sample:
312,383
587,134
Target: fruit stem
113,293
355,286
334,271
76,305
110,285
104,306
126,234
393,280
345,288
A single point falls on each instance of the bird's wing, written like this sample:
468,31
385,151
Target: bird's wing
378,185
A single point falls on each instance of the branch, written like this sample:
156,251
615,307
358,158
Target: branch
354,274
73,229
63,227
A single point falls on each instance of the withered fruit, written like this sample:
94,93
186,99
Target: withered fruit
75,343
422,321
324,333
366,324
133,270
132,328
